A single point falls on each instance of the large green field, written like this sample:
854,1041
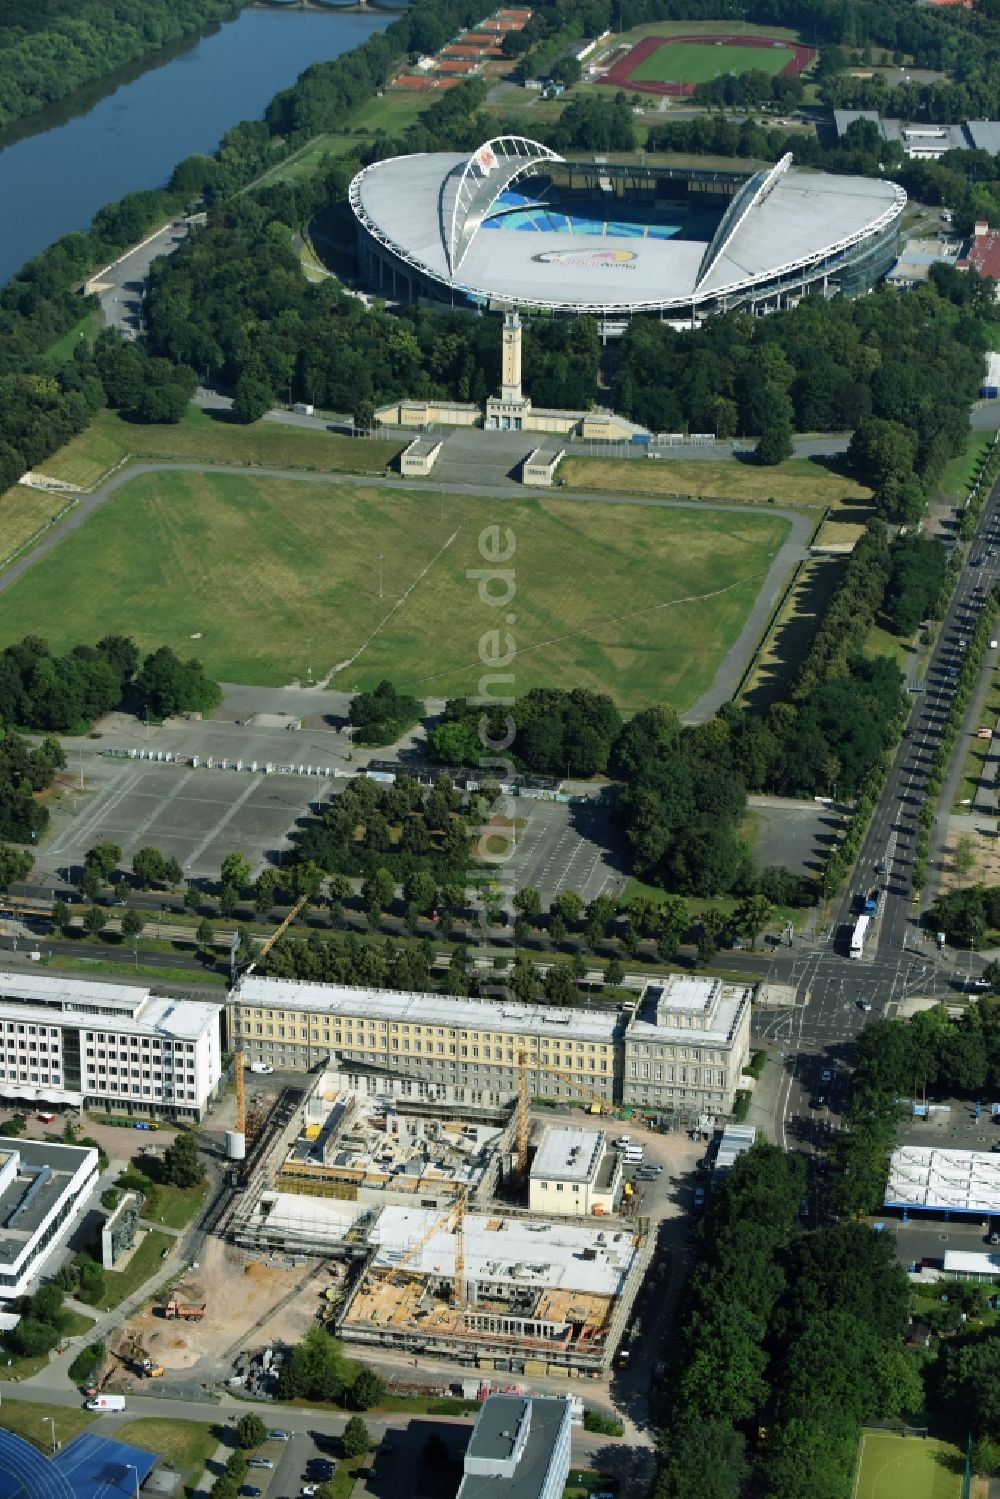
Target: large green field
897,1467
636,600
698,62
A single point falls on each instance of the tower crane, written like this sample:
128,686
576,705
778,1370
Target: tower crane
526,1064
453,1217
266,945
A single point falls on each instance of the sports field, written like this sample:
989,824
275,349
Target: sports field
638,601
898,1467
698,62
675,65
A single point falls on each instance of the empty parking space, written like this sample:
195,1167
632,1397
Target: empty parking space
561,847
195,816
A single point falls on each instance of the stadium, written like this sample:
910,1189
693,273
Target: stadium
517,225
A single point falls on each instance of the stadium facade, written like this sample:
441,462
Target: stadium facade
517,225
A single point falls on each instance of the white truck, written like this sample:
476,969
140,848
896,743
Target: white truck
106,1403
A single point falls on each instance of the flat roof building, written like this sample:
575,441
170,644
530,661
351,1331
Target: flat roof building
519,1449
575,1172
684,1048
42,1189
464,1051
90,1044
924,1178
687,1045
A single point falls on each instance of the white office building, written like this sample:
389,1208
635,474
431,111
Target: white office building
42,1189
97,1045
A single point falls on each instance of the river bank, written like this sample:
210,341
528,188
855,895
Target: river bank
131,129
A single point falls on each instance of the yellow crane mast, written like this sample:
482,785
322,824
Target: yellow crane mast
525,1065
279,931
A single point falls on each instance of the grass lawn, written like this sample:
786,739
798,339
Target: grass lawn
88,327
956,479
636,889
693,28
177,1205
585,1481
799,481
698,62
898,1467
793,630
77,1324
119,1284
31,1421
61,963
24,513
882,643
20,1368
185,1445
201,438
179,555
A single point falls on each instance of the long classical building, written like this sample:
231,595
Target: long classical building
90,1044
684,1047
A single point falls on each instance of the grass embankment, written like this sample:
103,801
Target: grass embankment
956,478
638,889
31,1421
251,568
792,630
203,438
176,1206
799,481
147,1259
185,1445
26,513
977,750
60,962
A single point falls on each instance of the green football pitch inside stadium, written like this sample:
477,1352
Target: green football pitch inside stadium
897,1467
698,62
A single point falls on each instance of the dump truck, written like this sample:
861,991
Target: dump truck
175,1308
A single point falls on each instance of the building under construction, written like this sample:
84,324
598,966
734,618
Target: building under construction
344,1156
500,1290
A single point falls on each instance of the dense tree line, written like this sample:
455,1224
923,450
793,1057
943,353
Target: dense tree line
49,48
67,693
902,370
551,732
381,716
918,582
966,915
370,826
786,1343
25,770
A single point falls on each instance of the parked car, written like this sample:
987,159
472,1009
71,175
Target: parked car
699,1197
249,1492
277,1436
260,1462
826,1076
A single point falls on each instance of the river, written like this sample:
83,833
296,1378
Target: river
130,131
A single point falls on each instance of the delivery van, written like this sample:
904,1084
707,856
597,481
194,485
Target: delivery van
106,1403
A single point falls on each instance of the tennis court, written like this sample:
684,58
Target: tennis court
893,1466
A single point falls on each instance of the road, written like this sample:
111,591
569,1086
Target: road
888,852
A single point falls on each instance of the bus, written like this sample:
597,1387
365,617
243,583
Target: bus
859,935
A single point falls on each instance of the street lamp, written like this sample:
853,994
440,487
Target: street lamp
51,1421
135,1470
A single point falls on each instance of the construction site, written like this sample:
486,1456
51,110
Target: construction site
500,1291
422,1213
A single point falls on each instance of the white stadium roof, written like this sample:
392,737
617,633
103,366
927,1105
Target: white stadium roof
427,211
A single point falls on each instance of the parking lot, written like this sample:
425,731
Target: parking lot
196,816
563,847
